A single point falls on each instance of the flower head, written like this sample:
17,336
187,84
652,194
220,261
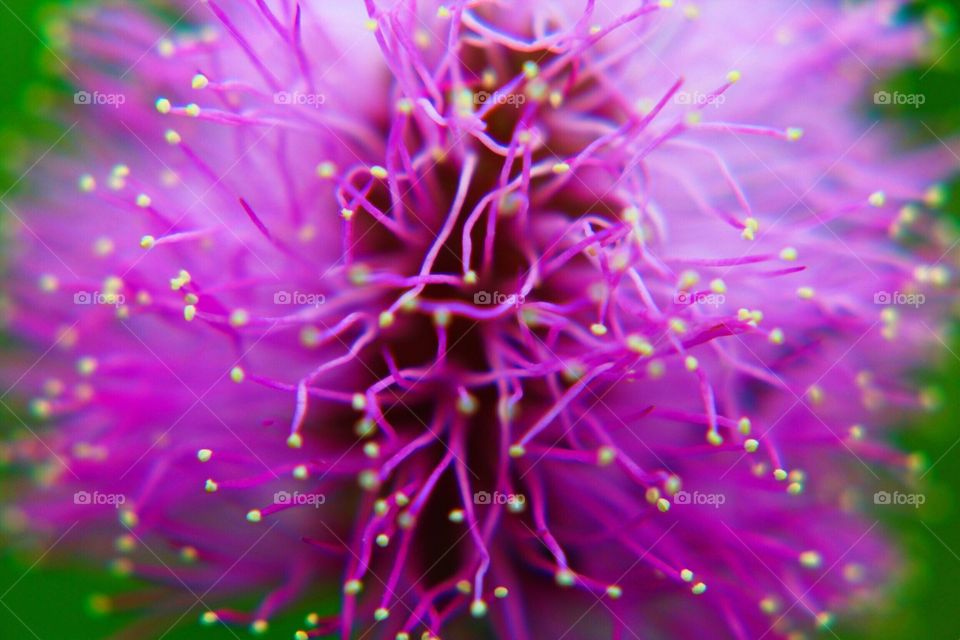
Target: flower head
483,315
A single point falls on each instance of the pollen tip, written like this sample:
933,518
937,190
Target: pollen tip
478,608
877,199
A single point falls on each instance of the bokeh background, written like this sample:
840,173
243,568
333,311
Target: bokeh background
48,598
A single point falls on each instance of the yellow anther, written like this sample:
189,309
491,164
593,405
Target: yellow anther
326,169
810,559
358,401
638,345
478,608
239,318
606,455
788,253
598,329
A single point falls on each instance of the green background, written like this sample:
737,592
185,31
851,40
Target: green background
52,599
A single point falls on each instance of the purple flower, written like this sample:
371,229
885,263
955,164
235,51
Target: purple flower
560,319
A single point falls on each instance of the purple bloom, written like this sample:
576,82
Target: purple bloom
562,319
